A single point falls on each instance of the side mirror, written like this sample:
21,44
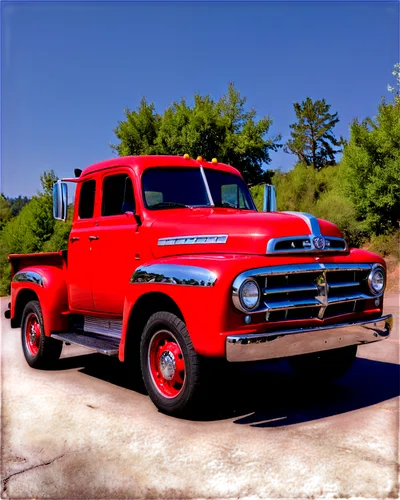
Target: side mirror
60,200
269,204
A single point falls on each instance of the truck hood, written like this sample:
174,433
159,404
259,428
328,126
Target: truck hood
232,231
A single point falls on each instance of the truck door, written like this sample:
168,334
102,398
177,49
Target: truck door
79,249
116,245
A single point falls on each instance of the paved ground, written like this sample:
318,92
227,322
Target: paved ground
80,432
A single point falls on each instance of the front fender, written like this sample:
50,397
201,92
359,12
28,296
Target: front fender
198,291
49,285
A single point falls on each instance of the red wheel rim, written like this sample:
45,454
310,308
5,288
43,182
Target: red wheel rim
166,364
32,334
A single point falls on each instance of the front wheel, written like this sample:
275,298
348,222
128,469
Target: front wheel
326,365
170,365
39,351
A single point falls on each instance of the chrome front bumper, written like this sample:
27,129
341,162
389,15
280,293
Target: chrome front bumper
281,344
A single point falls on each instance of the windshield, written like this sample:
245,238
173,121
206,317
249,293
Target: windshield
228,190
183,187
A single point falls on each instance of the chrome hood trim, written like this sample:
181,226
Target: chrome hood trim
313,243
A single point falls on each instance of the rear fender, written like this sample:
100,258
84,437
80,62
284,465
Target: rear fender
46,284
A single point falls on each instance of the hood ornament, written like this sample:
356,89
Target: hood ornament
319,242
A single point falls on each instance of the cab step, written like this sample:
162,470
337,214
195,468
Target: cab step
99,343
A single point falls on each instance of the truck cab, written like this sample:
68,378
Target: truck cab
170,265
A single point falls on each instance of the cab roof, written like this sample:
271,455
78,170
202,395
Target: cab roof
141,163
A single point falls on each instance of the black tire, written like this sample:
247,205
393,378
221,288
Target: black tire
39,351
164,330
324,366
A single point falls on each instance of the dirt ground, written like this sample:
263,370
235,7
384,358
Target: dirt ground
82,432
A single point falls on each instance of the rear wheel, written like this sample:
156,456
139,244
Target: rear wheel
40,351
326,365
170,365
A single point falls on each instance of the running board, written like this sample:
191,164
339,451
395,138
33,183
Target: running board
102,344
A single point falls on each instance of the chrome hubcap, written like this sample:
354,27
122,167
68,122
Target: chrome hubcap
167,365
32,335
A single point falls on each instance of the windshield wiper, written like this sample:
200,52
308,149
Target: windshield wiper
169,204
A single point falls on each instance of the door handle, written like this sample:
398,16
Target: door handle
74,238
91,238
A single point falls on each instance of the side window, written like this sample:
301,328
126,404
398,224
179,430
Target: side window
86,199
118,195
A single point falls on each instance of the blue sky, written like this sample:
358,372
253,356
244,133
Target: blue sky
70,68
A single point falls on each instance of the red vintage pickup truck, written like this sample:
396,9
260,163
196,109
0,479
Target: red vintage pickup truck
169,264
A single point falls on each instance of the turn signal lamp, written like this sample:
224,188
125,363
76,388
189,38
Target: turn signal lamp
186,156
214,160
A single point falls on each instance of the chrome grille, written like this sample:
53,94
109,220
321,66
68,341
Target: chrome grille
310,290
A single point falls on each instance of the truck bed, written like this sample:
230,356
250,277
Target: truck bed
20,261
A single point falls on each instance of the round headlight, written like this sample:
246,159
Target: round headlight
376,280
249,294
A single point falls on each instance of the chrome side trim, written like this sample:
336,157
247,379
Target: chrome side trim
282,344
310,220
174,274
28,277
103,326
191,240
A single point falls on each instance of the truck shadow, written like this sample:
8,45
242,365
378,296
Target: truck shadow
273,396
108,369
267,395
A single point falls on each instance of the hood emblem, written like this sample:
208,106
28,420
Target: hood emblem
319,242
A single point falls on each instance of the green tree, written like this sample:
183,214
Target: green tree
59,238
224,129
17,204
296,189
371,163
138,132
5,211
312,139
47,180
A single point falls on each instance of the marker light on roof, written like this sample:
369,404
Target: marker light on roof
214,160
186,156
199,158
